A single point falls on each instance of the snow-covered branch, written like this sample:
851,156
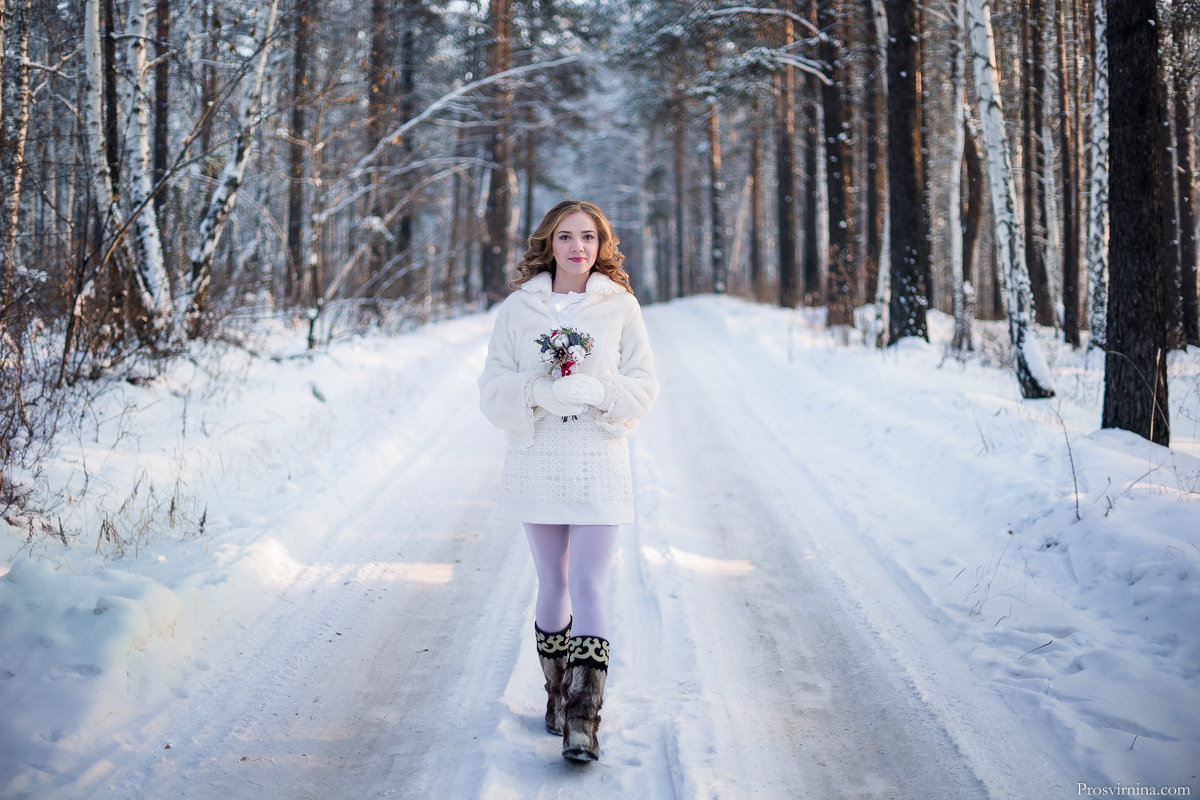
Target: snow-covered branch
720,13
437,105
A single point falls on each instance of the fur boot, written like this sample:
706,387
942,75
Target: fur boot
552,653
587,670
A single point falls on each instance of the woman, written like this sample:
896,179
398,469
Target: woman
568,374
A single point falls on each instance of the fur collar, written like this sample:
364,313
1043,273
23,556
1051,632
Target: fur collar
598,283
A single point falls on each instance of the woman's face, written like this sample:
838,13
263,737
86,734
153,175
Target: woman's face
576,243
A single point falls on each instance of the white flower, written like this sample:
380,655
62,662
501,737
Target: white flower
560,340
576,352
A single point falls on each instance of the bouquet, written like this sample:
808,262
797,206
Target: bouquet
563,348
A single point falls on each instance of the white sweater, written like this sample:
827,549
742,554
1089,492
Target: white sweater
620,357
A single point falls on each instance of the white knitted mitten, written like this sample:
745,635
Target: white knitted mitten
579,389
545,396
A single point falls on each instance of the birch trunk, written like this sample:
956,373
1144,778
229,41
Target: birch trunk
96,138
958,292
883,275
1097,225
14,139
1033,375
150,272
225,196
876,175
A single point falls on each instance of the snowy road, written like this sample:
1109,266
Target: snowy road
790,616
396,658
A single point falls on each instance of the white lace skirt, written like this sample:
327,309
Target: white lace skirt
573,473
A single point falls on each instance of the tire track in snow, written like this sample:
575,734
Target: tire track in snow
295,709
779,688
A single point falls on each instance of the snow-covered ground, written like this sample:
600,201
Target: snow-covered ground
854,573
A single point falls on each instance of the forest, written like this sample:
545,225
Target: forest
176,172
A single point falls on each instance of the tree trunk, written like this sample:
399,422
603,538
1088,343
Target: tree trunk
1135,366
907,306
1070,184
1098,222
109,217
14,135
1033,81
876,187
408,92
715,186
756,212
972,214
208,71
297,146
1033,374
679,156
531,172
497,248
1170,229
785,179
162,101
883,278
1185,190
112,135
958,288
150,272
221,204
841,294
813,195
925,252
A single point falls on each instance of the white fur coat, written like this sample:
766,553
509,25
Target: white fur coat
620,359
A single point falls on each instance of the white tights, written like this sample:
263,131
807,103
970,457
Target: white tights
572,568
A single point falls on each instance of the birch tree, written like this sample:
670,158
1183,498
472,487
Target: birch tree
12,141
958,291
883,277
1033,374
150,268
224,198
111,220
1097,222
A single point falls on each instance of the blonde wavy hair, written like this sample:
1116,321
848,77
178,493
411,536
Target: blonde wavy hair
539,255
